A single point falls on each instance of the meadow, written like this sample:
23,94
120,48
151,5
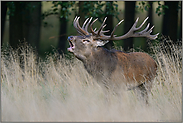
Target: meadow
59,89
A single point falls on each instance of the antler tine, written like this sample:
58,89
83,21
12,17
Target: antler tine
112,34
142,23
86,27
99,33
148,32
135,24
155,36
95,29
92,28
151,29
104,26
81,30
147,27
75,25
152,37
74,22
84,23
101,27
105,31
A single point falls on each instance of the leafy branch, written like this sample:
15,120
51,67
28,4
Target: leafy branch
144,5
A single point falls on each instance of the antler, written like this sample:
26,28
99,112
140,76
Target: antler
83,30
99,34
131,33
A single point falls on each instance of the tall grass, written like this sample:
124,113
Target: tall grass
59,89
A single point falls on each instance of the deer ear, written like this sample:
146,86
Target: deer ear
100,43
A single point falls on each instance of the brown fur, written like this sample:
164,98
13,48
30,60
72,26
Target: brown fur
137,67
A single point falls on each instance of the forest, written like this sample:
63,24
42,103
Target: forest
46,25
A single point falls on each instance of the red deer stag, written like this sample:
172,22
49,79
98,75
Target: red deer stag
113,67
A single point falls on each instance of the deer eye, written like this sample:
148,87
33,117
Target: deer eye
86,41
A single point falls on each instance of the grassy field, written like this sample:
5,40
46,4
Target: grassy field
59,89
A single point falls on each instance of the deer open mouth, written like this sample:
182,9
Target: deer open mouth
71,48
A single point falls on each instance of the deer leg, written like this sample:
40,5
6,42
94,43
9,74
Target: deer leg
143,92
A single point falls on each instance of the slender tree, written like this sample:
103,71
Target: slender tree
180,32
129,20
170,20
34,23
16,34
25,22
3,18
150,13
81,12
109,22
150,20
63,28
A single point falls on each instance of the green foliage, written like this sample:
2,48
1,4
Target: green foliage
96,9
63,12
160,10
65,6
143,5
12,6
92,8
89,8
112,9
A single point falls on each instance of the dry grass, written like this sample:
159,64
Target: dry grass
61,90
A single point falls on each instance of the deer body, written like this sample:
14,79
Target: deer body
132,68
112,67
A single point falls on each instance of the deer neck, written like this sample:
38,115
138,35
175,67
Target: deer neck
100,61
98,54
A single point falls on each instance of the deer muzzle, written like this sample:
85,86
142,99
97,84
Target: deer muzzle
71,48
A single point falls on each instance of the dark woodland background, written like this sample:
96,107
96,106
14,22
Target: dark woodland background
46,25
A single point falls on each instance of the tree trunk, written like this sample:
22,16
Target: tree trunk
180,32
81,14
170,20
17,34
25,24
109,23
150,20
150,14
3,19
33,37
16,29
128,23
62,34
